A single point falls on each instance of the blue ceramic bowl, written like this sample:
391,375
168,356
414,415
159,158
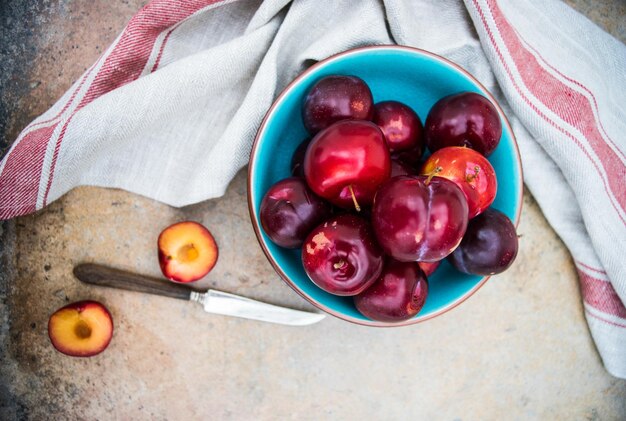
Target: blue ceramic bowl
415,77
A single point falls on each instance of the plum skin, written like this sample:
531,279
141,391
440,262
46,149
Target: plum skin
416,218
400,125
470,170
341,255
489,247
463,119
397,295
347,162
336,98
290,210
297,159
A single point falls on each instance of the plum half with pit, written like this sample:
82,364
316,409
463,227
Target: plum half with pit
398,294
464,119
341,255
290,210
419,218
81,329
489,246
187,251
336,98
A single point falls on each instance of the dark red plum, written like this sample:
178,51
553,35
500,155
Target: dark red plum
419,218
290,210
336,98
411,157
341,255
297,160
464,119
489,245
398,294
346,163
400,125
401,168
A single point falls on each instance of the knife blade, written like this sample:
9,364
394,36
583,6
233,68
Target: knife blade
213,301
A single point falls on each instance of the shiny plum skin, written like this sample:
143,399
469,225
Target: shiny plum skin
290,210
429,267
469,170
489,246
297,160
336,98
464,119
415,219
400,125
398,294
401,168
349,155
341,255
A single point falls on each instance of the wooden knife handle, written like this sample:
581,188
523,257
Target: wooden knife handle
114,278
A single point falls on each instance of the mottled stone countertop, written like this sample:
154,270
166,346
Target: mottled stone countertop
518,349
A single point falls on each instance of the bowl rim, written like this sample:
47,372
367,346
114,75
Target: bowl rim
251,165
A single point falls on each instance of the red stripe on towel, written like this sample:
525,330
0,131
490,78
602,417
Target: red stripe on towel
583,87
131,53
600,295
19,181
569,105
540,113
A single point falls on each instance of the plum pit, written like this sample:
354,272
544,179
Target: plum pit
187,253
82,330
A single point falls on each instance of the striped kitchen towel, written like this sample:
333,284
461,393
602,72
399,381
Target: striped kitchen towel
169,111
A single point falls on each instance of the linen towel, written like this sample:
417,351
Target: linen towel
170,110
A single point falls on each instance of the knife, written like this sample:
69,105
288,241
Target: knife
213,301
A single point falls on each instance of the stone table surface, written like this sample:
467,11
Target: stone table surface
518,349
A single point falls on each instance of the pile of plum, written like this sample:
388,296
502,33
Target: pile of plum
372,219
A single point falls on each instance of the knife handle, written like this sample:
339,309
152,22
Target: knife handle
90,273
